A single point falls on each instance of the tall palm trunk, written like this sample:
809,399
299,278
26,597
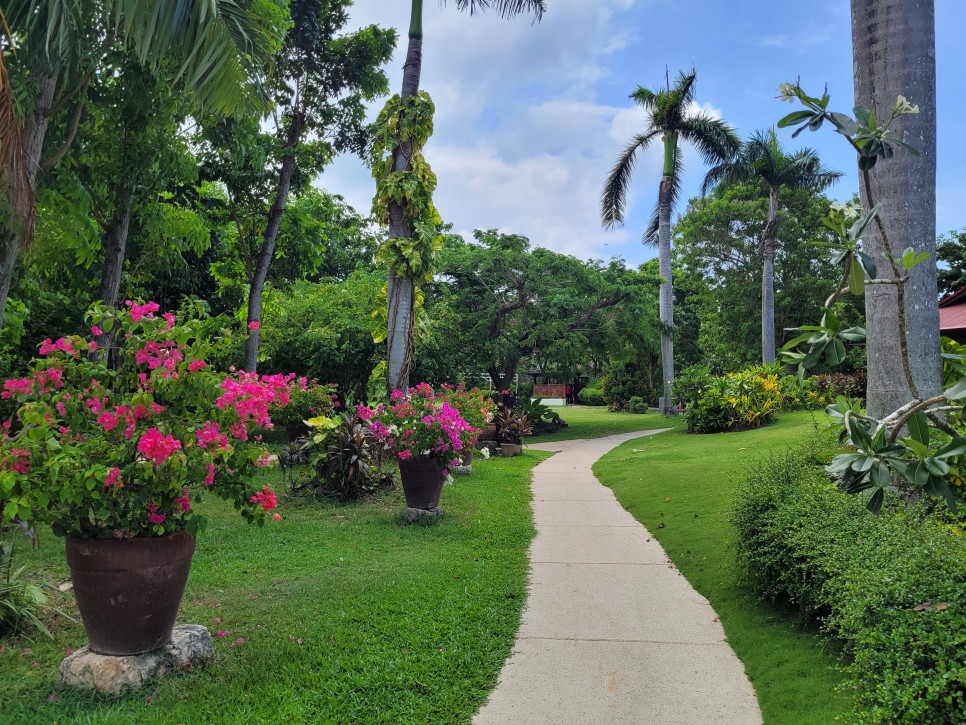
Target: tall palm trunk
769,243
34,133
666,293
894,53
401,290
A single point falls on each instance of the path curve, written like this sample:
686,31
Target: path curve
611,632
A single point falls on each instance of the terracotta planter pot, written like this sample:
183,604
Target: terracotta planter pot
129,591
422,482
467,457
489,432
511,449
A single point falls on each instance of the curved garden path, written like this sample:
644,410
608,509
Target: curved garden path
611,632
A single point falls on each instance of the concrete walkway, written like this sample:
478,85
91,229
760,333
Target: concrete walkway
611,632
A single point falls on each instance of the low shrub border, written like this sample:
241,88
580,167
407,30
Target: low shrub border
889,587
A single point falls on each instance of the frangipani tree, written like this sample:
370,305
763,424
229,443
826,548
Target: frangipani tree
405,222
669,117
763,160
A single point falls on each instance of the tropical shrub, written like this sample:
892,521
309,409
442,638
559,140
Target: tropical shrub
512,426
20,601
712,404
542,418
346,459
889,587
623,381
637,405
309,402
475,406
592,393
119,449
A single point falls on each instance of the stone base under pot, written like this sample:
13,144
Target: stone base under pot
190,647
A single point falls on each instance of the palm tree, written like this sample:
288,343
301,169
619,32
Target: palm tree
212,44
894,53
762,159
401,289
669,117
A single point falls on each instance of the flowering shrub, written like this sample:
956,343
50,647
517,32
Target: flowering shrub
120,450
419,424
475,406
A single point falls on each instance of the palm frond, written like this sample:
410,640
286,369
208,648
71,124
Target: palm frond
645,97
218,46
714,139
613,200
810,173
505,8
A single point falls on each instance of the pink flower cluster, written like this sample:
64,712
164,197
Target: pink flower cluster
210,435
265,498
157,447
62,345
114,478
165,354
251,396
138,312
153,516
39,382
18,461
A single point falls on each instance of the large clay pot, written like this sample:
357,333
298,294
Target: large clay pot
422,482
467,457
129,591
511,449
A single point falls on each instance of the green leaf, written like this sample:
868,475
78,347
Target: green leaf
957,391
868,264
856,278
844,124
835,353
875,501
794,118
919,428
955,447
863,115
853,334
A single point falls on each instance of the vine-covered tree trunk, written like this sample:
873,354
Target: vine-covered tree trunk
769,243
894,53
401,290
34,133
666,292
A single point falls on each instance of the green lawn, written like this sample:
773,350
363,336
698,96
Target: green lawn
594,422
334,614
681,486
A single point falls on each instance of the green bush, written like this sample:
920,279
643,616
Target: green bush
890,588
637,405
591,396
623,381
712,404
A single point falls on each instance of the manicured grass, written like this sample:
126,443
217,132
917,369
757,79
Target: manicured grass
586,421
682,487
334,614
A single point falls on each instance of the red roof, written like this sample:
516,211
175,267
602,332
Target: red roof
952,318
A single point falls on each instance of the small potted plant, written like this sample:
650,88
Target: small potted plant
112,451
425,434
511,427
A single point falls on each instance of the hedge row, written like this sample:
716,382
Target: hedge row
891,588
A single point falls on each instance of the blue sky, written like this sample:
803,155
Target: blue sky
530,117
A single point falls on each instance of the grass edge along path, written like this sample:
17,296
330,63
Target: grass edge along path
337,613
585,421
681,487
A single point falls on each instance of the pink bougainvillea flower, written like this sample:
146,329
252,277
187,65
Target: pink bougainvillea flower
265,498
254,325
157,447
114,478
96,331
156,518
210,476
138,312
196,365
277,516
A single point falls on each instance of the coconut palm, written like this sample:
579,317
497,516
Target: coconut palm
213,45
401,289
762,159
894,53
670,117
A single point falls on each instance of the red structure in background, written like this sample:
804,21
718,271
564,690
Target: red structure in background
550,391
952,315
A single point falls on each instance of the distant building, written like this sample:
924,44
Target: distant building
952,315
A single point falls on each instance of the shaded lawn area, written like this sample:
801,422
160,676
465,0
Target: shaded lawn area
337,613
686,483
585,421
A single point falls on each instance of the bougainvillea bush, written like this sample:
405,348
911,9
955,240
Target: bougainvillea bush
475,406
419,424
119,443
